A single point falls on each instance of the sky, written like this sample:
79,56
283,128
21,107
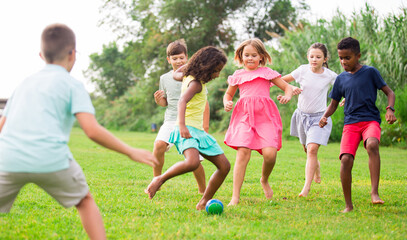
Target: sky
22,21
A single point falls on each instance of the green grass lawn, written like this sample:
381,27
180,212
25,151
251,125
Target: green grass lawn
117,184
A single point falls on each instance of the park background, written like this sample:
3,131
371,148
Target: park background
123,75
126,72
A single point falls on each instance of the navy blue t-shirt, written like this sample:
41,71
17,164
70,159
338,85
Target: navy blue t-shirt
360,91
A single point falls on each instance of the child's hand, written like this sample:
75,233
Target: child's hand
296,90
183,130
322,122
283,99
158,95
228,106
342,103
143,156
390,117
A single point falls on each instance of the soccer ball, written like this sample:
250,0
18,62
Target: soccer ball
214,206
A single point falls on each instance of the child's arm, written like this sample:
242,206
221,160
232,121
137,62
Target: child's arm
227,99
391,99
279,82
101,136
2,121
160,99
289,78
206,117
179,73
329,111
194,87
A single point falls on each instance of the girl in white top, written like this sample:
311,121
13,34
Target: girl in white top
315,79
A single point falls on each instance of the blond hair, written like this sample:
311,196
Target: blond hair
259,46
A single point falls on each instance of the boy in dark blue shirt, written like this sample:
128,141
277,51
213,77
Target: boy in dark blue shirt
358,84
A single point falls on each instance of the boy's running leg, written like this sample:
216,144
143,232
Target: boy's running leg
239,171
91,219
199,175
223,167
159,152
269,160
372,147
190,164
346,180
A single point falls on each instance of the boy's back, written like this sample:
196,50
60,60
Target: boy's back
40,115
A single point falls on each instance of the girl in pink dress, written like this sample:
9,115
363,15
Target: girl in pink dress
255,123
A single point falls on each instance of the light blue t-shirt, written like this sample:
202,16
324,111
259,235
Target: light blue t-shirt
39,119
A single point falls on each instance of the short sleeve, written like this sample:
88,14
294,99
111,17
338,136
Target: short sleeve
297,73
377,78
241,76
80,99
336,92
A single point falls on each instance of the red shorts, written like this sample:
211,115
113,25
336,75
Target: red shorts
354,133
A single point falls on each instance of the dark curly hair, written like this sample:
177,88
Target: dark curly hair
204,63
349,43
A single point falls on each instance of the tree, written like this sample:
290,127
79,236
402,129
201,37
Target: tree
268,15
110,72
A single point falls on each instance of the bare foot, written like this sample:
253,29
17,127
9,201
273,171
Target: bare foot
347,209
201,204
268,192
233,202
304,192
153,187
376,199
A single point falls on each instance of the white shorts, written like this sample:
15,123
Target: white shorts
164,135
165,132
67,186
305,126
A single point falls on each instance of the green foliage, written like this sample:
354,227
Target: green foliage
383,45
270,15
117,185
110,71
396,133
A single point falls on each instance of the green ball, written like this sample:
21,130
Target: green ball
214,206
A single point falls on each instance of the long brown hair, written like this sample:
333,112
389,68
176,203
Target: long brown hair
324,50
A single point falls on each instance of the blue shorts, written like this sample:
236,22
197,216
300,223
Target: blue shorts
200,140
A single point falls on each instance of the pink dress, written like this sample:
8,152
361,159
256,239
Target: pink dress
255,121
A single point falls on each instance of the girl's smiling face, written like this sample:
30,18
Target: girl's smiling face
251,58
316,59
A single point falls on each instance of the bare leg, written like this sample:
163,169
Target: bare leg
372,147
223,167
190,164
310,167
159,151
305,149
269,160
91,219
346,180
239,171
199,174
317,176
